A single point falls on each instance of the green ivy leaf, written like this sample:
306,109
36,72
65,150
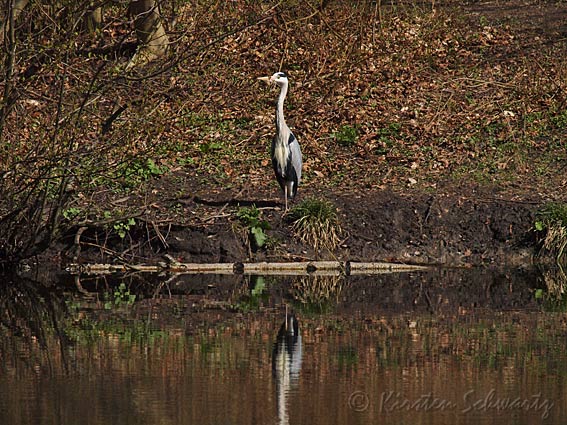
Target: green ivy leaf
259,236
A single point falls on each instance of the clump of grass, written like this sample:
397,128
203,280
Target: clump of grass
552,221
316,222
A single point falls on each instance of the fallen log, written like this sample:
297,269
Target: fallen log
290,268
381,267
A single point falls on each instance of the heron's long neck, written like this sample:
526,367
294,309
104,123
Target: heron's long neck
280,120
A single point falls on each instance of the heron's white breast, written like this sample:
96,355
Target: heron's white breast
281,152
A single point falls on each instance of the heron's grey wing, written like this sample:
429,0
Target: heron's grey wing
296,159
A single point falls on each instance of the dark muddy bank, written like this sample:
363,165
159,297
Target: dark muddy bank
468,228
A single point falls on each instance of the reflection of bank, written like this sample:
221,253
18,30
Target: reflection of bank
554,296
286,363
318,294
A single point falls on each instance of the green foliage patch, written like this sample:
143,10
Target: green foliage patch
346,136
250,217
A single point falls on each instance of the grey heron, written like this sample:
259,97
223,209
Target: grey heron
285,152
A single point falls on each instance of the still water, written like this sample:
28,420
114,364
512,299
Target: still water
442,347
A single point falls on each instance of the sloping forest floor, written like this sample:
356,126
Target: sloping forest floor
436,129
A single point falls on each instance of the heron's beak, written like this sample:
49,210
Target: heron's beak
266,79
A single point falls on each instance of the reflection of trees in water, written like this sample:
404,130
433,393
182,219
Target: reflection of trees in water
141,284
30,313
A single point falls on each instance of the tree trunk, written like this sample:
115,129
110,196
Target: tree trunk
149,30
16,7
93,19
8,26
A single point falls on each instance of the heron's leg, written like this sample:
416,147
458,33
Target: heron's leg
285,196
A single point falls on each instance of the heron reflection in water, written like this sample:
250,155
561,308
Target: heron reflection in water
286,363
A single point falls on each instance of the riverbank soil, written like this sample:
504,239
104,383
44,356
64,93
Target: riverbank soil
472,227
